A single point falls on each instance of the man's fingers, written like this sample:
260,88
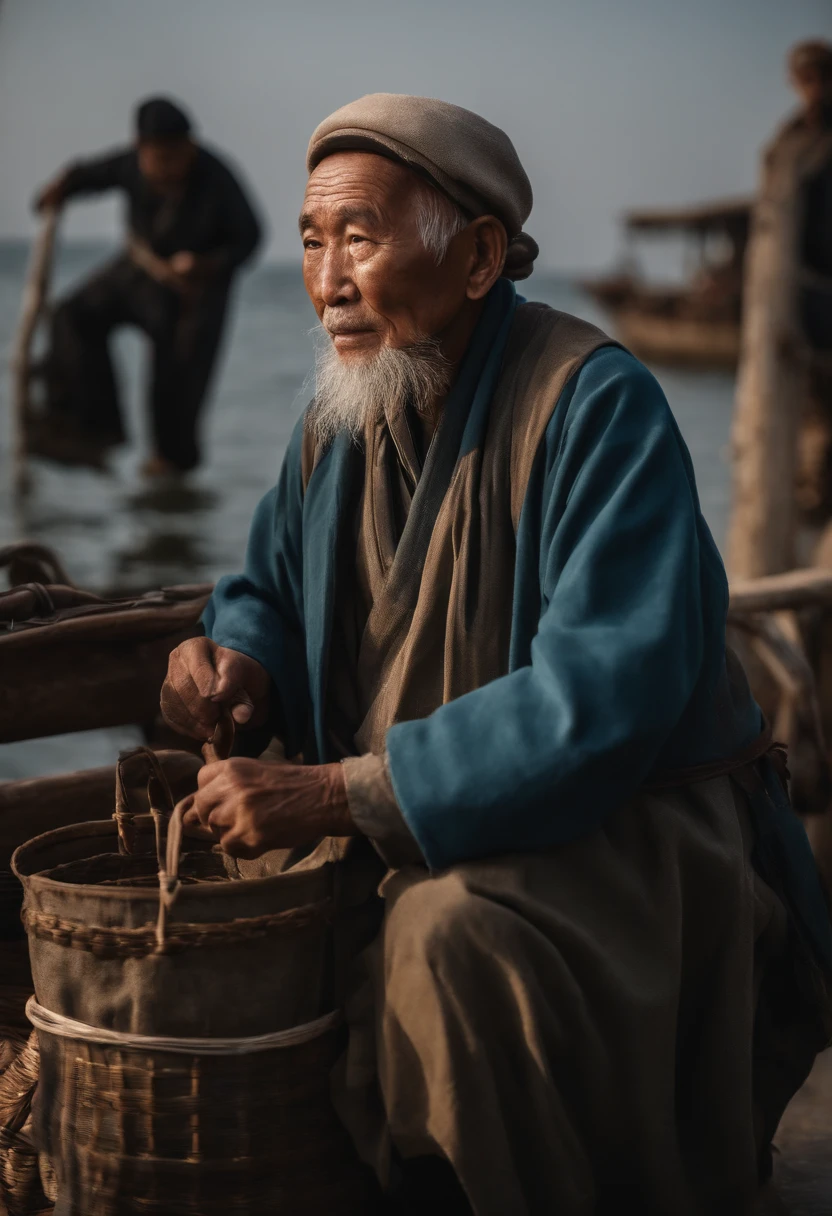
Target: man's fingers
231,840
243,708
212,793
209,773
189,714
234,846
186,694
189,812
202,808
243,684
202,671
192,815
220,818
229,685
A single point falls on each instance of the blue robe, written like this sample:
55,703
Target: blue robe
617,660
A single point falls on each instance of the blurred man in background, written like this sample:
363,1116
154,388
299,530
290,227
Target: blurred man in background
788,298
190,227
811,67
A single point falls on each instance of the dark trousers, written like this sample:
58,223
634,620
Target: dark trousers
184,332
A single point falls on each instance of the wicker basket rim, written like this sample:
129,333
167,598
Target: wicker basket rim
99,829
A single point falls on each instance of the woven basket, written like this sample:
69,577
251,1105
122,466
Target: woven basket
145,1129
185,1023
21,1187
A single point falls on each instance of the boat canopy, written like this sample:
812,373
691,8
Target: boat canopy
731,214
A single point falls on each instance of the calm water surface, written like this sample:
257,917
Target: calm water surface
113,531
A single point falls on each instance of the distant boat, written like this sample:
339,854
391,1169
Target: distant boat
698,322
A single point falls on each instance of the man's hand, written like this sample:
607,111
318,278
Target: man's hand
202,678
190,270
52,195
252,806
183,264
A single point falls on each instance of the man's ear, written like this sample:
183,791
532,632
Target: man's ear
490,243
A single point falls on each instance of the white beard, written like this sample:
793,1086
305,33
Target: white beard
348,395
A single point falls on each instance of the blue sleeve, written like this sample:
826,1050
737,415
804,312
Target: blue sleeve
543,754
260,612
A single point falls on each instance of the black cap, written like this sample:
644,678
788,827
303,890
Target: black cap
161,118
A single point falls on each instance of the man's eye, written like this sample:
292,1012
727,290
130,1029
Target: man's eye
355,239
311,243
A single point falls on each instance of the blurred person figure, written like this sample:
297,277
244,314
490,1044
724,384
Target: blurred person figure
788,297
190,227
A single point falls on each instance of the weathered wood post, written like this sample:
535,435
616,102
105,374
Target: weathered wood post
770,401
771,386
34,297
761,538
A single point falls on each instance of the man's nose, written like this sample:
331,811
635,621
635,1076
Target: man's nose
337,285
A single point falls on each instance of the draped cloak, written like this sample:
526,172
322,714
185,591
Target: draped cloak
589,1000
548,630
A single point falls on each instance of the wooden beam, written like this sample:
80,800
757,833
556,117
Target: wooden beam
786,661
791,591
83,684
34,298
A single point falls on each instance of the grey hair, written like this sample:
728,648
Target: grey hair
438,220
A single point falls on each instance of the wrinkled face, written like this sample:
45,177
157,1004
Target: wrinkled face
372,282
165,163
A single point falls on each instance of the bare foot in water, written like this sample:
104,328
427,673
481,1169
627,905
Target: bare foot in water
156,466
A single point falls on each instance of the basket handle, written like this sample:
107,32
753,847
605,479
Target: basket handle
218,747
159,797
26,557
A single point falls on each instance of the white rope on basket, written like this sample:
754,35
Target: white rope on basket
67,1028
169,884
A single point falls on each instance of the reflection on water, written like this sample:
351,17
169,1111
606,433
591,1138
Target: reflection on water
168,553
172,497
114,531
170,535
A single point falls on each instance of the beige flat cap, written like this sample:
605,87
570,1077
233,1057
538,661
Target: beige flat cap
467,158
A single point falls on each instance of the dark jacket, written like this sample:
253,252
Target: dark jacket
213,215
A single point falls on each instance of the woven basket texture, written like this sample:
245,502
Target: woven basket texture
131,1130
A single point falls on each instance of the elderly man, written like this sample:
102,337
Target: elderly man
484,606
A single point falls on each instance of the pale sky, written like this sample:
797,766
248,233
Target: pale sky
610,103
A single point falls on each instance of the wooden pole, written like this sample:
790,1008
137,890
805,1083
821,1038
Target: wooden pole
771,388
34,297
770,396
